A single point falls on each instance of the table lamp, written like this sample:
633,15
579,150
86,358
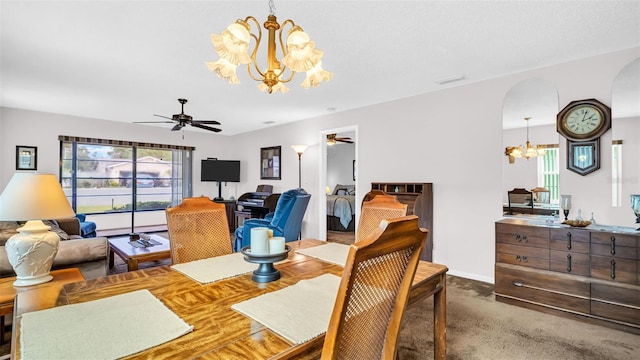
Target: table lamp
33,197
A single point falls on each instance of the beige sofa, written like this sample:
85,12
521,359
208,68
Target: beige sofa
90,255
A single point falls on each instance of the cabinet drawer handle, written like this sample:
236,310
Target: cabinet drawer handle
524,259
613,245
518,236
613,269
568,262
568,241
518,283
518,258
524,238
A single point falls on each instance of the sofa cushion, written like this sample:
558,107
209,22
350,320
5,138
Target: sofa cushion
7,230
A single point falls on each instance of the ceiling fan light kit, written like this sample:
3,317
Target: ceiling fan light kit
300,54
332,139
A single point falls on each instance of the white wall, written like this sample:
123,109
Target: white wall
340,164
452,138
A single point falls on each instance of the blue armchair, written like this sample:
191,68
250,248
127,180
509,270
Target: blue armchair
285,221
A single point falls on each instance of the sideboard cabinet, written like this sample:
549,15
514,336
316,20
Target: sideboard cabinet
589,275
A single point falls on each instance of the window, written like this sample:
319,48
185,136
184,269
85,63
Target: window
107,177
549,172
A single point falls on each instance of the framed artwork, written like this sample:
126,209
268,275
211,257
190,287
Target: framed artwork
270,163
26,158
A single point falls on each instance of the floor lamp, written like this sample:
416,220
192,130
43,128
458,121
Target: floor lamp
299,149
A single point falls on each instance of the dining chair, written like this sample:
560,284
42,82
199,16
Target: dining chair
373,292
375,210
520,199
198,229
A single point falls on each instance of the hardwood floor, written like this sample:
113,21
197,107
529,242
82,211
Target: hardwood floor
342,237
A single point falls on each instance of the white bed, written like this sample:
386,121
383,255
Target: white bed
341,208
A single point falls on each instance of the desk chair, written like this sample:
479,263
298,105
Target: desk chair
379,208
198,229
373,292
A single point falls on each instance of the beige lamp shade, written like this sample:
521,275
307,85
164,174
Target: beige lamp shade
299,148
30,196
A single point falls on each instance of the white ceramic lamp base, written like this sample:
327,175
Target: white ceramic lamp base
31,253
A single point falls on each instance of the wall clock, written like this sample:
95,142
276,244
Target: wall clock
584,120
583,157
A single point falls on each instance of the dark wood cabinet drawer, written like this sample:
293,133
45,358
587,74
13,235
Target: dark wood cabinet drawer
620,239
522,235
523,255
569,245
569,262
614,269
617,251
615,311
618,293
542,287
563,235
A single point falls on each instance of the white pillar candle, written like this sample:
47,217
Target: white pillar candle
259,241
276,245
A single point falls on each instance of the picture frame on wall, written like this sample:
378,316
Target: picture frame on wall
26,157
270,164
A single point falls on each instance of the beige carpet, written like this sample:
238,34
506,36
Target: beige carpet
478,327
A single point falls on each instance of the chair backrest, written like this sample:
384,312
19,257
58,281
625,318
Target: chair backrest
541,195
198,229
377,209
519,196
373,292
290,209
371,194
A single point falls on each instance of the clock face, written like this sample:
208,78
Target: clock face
583,120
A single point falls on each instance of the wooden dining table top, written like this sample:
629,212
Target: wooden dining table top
219,331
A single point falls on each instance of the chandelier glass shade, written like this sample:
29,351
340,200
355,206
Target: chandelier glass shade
527,151
298,55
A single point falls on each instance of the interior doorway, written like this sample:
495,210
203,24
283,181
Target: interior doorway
347,175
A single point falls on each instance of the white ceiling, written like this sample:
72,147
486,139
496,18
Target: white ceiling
128,60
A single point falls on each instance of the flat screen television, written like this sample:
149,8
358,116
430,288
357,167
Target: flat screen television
220,170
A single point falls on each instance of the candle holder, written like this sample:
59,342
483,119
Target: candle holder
265,272
565,203
635,206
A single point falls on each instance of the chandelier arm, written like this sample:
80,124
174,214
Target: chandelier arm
257,39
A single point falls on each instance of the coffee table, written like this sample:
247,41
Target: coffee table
133,255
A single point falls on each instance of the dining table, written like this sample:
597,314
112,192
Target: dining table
220,332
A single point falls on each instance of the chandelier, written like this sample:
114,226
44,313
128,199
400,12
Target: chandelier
528,151
298,55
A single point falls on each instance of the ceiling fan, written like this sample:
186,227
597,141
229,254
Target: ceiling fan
183,119
332,139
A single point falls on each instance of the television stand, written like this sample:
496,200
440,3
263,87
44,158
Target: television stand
219,198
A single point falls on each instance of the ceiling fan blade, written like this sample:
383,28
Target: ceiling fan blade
205,127
177,127
210,122
162,116
153,122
